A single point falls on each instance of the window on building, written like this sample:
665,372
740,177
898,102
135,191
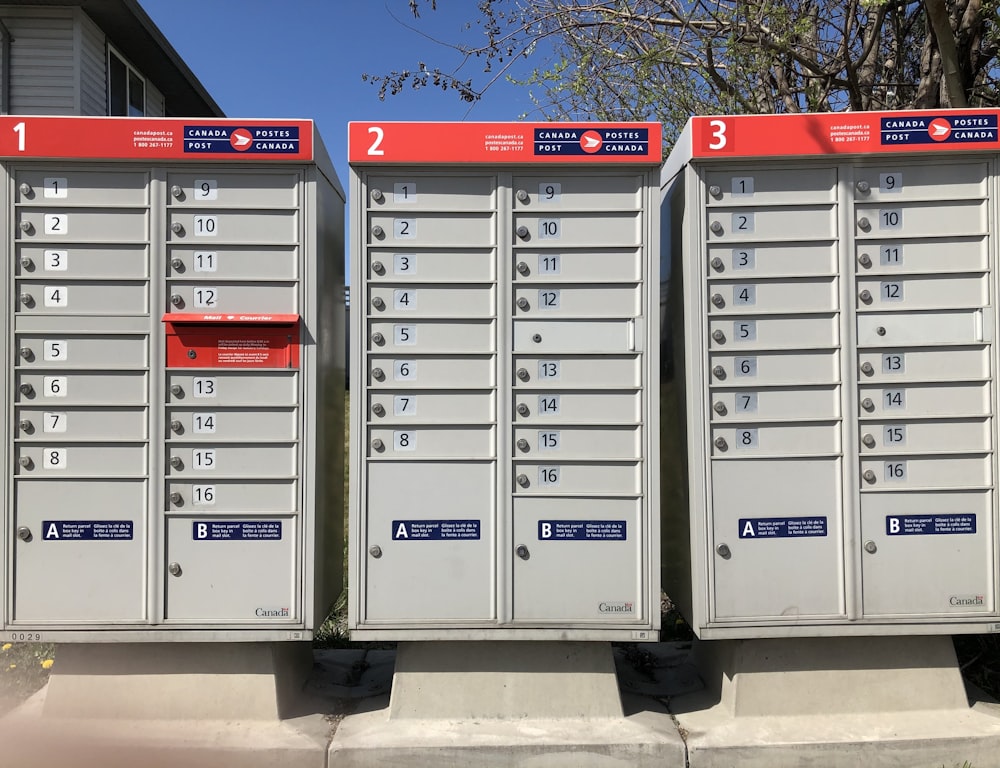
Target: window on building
126,88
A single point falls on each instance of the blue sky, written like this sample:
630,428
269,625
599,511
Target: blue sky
304,59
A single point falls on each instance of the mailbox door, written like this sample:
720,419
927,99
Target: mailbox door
79,445
582,563
925,388
772,298
430,427
231,569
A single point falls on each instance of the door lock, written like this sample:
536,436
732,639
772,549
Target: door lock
522,552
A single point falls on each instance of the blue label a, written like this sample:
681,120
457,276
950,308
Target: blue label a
929,525
87,530
781,527
582,530
435,530
236,530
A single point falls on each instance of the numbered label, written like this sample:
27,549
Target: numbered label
549,192
203,386
54,386
203,423
206,226
895,471
206,296
717,138
893,362
55,261
742,186
890,255
404,229
891,182
548,405
55,186
549,229
404,370
56,224
746,438
746,402
203,495
203,459
548,475
743,222
548,369
893,399
745,366
744,258
549,264
549,440
744,295
891,291
404,192
54,458
55,296
890,218
404,335
745,330
404,299
548,298
55,350
53,421
205,261
206,189
404,441
894,435
404,264
404,405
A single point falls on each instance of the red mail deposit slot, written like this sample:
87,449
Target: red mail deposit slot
232,341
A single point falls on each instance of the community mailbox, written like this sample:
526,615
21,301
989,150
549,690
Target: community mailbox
833,303
173,295
503,479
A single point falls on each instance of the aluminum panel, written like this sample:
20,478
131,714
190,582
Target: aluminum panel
425,371
432,301
570,191
775,577
578,265
436,266
596,579
769,186
231,579
920,567
416,580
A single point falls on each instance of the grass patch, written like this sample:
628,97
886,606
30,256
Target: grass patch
25,669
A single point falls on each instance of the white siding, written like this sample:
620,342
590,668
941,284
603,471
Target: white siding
154,101
43,78
93,68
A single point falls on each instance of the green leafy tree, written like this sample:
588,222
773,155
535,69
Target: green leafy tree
665,60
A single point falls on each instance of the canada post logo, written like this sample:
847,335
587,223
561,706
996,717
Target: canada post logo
251,140
941,129
563,140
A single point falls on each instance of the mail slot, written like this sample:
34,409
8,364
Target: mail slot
232,341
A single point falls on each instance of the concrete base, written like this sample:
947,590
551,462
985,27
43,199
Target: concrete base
504,680
646,738
201,705
892,701
178,681
507,704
